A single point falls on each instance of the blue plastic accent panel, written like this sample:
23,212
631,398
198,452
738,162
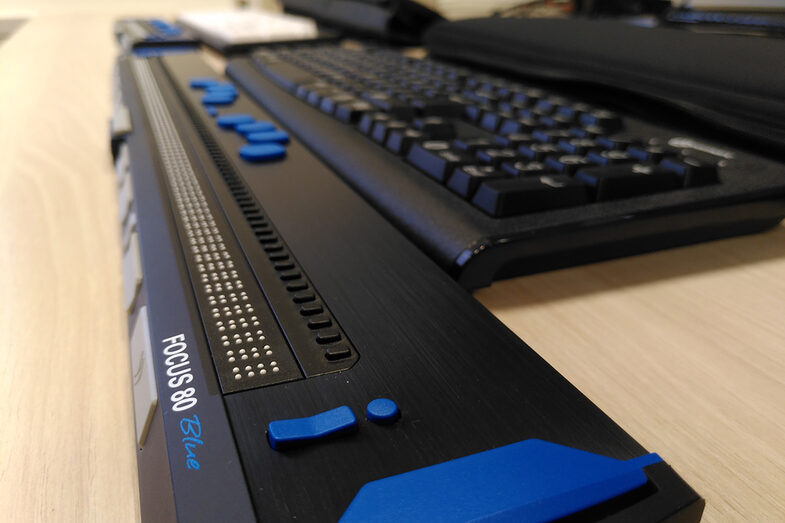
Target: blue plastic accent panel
291,432
201,82
230,121
532,480
146,52
255,127
382,411
268,137
263,152
218,98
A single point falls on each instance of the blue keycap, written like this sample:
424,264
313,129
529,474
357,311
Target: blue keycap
212,111
531,480
220,86
201,82
263,152
291,432
218,99
255,127
230,121
382,411
268,137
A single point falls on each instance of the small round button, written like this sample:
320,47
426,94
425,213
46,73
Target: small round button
262,152
382,411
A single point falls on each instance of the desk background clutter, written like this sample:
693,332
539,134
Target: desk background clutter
684,348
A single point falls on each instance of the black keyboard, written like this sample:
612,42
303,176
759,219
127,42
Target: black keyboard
493,175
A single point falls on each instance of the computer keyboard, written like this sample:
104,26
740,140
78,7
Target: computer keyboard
294,356
495,175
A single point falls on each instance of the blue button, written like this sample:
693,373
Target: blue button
221,86
230,121
532,480
262,152
201,82
291,432
218,99
212,111
268,137
255,127
382,410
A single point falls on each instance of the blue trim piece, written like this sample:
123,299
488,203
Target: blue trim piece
382,411
219,98
147,52
255,127
532,480
268,137
201,82
230,121
285,433
263,152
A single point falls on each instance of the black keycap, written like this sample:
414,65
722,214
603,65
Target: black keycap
474,111
538,151
513,196
693,172
435,127
435,159
368,121
388,104
352,112
273,247
610,157
290,275
566,164
525,168
400,141
627,180
551,135
381,130
472,145
527,97
464,180
448,108
513,140
618,143
578,145
652,153
605,120
283,265
496,156
330,102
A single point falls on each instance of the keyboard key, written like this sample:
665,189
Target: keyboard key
538,151
610,157
566,164
525,168
551,135
435,159
513,140
618,143
605,120
389,105
578,145
472,145
268,137
693,172
254,127
624,181
264,152
382,129
400,141
513,196
465,180
368,121
351,112
652,153
435,127
496,156
231,121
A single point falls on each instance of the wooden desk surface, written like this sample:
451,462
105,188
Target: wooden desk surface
684,348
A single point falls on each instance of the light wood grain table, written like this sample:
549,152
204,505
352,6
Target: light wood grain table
684,348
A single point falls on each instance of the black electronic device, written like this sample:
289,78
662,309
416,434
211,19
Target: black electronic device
401,21
295,356
153,33
529,145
